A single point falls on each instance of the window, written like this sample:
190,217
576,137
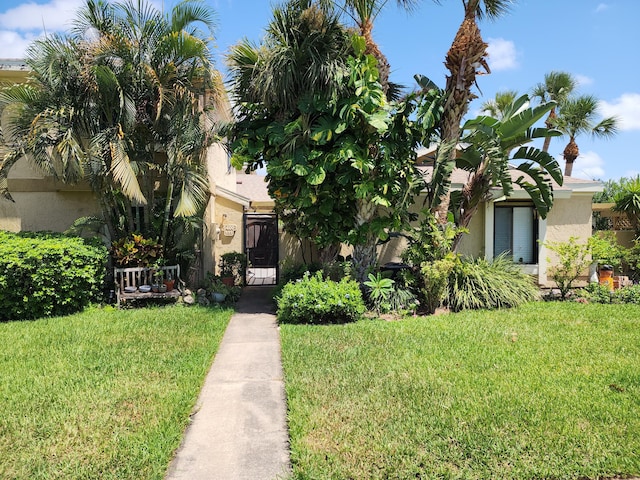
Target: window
516,232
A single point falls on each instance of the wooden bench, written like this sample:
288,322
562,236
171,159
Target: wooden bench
134,277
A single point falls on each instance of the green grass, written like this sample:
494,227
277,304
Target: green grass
548,390
102,394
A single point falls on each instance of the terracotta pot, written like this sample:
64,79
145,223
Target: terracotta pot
170,284
228,281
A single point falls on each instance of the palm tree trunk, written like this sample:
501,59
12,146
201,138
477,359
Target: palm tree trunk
467,53
571,153
549,124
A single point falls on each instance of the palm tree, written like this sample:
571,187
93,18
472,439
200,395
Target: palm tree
499,104
364,14
557,87
304,53
105,101
577,116
465,59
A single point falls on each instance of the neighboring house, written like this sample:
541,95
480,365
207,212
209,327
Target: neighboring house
620,224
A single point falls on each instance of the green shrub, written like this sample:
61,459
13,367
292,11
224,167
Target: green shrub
630,294
47,274
596,293
475,284
315,300
434,282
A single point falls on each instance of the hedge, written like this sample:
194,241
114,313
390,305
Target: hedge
48,274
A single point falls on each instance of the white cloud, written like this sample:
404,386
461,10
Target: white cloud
502,54
588,166
601,7
52,17
626,108
14,44
583,80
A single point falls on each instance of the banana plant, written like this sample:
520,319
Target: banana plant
491,145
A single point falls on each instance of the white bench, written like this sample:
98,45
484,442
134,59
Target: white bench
133,277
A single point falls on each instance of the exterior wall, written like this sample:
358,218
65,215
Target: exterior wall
42,203
220,171
473,243
568,218
220,212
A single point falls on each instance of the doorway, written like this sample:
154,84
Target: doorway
261,247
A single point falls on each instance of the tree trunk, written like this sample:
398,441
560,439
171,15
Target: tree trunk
549,124
167,213
571,153
384,69
328,254
467,53
365,253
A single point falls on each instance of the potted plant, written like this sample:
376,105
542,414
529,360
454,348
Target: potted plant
232,268
216,288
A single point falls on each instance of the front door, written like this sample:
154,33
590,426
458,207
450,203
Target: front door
262,249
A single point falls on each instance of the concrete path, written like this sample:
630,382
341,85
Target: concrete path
239,429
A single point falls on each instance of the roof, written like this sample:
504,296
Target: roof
252,186
569,186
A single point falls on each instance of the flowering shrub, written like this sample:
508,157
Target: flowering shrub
315,300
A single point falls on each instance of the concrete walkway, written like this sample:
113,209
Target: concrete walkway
239,429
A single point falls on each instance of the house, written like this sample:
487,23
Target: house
42,203
239,216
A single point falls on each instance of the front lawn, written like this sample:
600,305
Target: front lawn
102,394
548,390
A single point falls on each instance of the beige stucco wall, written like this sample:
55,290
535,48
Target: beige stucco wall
472,243
220,172
221,212
40,203
569,217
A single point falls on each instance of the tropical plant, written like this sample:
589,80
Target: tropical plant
557,87
500,104
116,102
627,201
489,151
482,284
379,290
577,116
337,158
136,251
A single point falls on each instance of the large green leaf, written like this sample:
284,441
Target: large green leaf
524,119
547,162
316,176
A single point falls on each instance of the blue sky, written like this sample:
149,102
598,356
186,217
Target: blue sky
597,41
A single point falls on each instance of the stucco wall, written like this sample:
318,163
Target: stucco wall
570,217
221,212
41,203
472,243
